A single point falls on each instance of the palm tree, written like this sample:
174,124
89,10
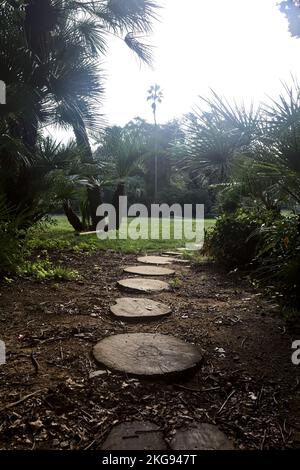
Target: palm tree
120,153
67,178
254,152
277,152
155,95
43,78
214,134
49,54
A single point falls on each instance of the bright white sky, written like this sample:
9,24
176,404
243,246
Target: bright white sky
240,48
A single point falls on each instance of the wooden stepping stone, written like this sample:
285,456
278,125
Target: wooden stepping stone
143,284
156,260
172,253
160,260
193,247
146,354
204,436
135,435
149,270
129,307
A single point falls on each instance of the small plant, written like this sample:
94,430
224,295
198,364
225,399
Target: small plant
88,245
45,270
175,283
49,244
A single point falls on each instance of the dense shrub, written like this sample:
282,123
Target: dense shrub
233,240
11,239
278,257
262,241
11,249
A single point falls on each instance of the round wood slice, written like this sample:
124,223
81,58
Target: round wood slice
143,284
204,436
156,259
130,307
146,354
191,247
172,253
149,270
135,435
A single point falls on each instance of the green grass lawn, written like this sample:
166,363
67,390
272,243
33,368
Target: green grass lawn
59,234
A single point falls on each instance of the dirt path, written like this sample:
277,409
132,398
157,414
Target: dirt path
246,383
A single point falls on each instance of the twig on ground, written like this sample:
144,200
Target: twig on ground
89,445
224,404
263,440
35,363
10,405
196,390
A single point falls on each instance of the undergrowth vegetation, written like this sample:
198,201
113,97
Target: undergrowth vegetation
262,243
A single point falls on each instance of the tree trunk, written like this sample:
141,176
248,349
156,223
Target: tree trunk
93,193
73,219
120,191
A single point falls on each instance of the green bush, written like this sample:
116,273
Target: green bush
11,249
233,240
278,257
262,241
12,240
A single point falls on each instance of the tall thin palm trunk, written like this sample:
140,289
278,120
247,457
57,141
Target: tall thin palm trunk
155,157
120,191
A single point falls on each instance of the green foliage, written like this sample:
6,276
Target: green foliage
183,195
11,249
49,61
119,153
229,199
45,270
128,155
278,257
12,239
175,283
263,242
231,241
214,134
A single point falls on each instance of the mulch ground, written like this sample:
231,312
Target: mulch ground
246,383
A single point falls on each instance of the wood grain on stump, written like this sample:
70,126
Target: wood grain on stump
146,354
156,259
143,284
135,435
149,270
204,436
130,307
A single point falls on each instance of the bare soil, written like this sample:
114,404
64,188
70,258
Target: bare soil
246,383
